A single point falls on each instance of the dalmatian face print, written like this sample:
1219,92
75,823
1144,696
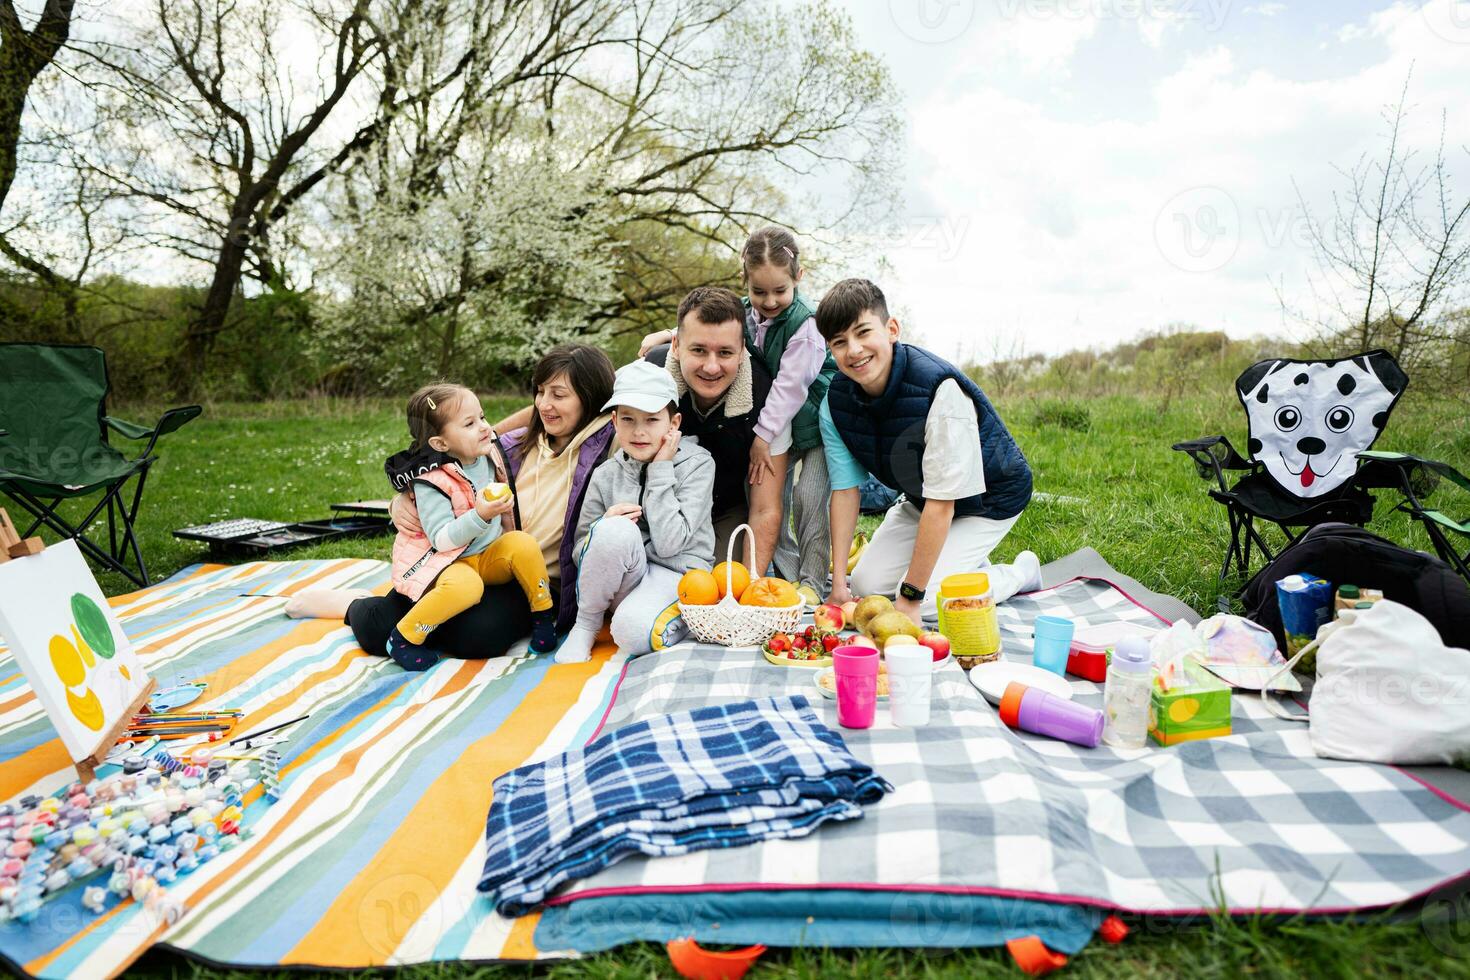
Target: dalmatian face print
1310,419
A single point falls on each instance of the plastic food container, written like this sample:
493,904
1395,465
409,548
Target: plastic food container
967,617
1088,656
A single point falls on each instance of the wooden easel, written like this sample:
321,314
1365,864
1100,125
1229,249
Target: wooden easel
12,546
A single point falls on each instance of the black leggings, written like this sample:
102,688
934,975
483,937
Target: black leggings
487,629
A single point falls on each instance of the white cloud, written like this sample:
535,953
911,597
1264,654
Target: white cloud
1068,232
1266,9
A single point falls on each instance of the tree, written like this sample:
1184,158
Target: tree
211,128
658,135
23,56
1393,257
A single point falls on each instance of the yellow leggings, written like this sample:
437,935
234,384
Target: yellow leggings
513,555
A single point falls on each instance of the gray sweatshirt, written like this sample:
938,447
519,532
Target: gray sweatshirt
676,496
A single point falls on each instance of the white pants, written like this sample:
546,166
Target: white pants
881,569
614,575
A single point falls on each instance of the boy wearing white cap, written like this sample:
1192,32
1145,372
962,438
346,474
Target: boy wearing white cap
645,521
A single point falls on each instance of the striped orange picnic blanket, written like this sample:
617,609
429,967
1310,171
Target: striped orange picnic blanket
371,855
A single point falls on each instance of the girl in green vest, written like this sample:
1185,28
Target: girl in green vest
781,330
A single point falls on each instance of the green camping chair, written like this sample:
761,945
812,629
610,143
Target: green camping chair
1417,478
53,447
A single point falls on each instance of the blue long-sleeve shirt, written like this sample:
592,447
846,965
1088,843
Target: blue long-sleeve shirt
446,531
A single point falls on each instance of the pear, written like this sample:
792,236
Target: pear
868,607
891,624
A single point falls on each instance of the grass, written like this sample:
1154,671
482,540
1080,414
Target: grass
1113,484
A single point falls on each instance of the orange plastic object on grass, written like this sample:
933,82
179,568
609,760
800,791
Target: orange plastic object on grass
1032,956
1113,930
697,963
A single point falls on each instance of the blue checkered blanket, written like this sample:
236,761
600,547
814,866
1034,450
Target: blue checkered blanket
714,777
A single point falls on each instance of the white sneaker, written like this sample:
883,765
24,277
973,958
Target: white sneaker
1030,568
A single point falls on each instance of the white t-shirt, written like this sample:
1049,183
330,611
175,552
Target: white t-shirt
953,468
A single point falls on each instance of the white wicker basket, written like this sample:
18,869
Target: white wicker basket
730,624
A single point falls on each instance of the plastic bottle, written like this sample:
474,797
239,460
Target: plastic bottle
1126,696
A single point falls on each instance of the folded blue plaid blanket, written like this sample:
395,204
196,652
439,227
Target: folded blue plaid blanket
719,776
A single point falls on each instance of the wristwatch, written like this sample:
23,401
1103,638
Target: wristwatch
911,592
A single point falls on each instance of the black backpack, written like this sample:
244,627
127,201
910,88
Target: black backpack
1344,554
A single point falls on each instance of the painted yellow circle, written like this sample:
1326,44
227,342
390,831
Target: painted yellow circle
67,662
1184,709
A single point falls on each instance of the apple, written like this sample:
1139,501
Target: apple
900,639
860,641
829,617
849,613
937,642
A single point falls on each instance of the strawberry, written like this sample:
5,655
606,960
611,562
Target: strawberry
800,643
829,642
778,643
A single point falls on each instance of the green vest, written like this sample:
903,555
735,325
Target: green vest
806,429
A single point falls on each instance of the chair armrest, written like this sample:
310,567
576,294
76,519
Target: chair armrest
126,429
1213,455
170,421
1414,477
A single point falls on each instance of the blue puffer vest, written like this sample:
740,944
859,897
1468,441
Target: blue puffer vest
886,434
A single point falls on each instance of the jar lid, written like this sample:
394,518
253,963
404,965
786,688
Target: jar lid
1348,591
964,584
1362,605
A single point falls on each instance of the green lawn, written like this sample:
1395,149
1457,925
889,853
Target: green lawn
1127,495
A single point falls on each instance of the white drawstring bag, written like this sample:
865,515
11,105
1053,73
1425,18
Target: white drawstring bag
1388,689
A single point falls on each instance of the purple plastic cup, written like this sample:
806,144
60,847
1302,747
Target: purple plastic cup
1036,711
856,670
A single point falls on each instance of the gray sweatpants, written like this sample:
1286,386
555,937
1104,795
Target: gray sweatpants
614,574
805,557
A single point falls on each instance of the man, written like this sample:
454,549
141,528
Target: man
918,424
722,390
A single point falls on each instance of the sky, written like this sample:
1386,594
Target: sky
1078,172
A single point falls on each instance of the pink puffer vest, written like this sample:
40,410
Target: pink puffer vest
416,562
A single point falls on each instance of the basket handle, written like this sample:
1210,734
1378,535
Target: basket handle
730,557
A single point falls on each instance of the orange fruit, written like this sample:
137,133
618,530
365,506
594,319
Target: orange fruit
739,578
697,588
770,592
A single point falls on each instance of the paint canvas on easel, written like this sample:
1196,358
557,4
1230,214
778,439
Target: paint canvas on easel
68,644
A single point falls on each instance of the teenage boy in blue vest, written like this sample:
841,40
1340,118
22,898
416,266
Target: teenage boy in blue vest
922,427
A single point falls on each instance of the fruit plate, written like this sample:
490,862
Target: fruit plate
781,661
826,682
991,679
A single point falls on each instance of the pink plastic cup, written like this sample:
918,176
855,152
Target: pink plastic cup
856,669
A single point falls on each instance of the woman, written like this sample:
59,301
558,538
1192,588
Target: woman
548,464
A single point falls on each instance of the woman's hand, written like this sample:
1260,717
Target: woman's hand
760,461
489,510
631,511
655,339
668,447
840,593
403,517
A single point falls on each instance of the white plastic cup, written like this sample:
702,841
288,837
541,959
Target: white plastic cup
910,684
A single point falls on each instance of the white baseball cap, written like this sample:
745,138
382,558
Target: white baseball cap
644,386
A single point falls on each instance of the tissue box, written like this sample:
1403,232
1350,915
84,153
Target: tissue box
1199,709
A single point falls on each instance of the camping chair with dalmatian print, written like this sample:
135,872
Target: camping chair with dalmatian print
1308,421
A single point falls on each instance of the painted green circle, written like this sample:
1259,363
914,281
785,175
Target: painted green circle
93,626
